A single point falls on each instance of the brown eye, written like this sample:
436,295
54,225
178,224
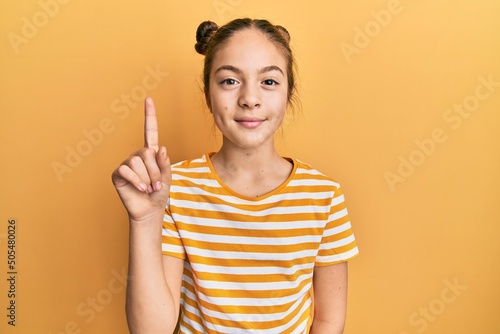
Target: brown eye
228,82
270,82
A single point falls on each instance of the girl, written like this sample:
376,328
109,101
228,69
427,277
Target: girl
241,240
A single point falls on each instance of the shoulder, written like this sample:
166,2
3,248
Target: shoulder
192,172
304,171
196,164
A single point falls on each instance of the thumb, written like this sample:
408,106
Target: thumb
163,162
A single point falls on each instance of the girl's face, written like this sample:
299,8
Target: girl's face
248,90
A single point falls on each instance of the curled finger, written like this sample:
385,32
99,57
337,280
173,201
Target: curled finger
125,175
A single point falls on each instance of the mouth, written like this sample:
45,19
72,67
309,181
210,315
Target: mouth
249,122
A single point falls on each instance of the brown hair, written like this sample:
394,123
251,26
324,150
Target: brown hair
210,38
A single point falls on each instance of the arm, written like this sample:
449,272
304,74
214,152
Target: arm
330,299
143,184
153,289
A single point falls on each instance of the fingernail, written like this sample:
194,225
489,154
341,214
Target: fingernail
143,187
158,185
150,189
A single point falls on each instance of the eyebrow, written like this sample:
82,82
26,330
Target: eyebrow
238,71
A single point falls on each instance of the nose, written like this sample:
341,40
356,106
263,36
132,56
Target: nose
250,97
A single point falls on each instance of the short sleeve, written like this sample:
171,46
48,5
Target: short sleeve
338,243
171,243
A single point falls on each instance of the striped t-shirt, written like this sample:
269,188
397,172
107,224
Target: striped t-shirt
250,261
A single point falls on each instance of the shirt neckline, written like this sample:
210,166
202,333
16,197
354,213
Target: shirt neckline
247,198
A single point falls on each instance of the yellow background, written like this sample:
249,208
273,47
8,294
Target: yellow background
431,225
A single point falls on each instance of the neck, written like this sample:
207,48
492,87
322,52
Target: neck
251,172
253,160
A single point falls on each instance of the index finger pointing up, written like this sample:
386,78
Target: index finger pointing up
150,125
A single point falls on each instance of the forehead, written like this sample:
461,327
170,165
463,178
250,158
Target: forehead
249,49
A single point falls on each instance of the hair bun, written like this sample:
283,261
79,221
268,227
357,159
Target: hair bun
284,33
204,33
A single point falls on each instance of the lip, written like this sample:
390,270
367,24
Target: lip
249,122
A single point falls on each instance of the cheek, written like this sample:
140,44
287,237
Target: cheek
214,98
221,103
218,107
280,105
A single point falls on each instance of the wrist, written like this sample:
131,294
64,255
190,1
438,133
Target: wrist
153,220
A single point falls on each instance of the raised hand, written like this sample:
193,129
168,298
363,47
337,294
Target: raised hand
143,180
